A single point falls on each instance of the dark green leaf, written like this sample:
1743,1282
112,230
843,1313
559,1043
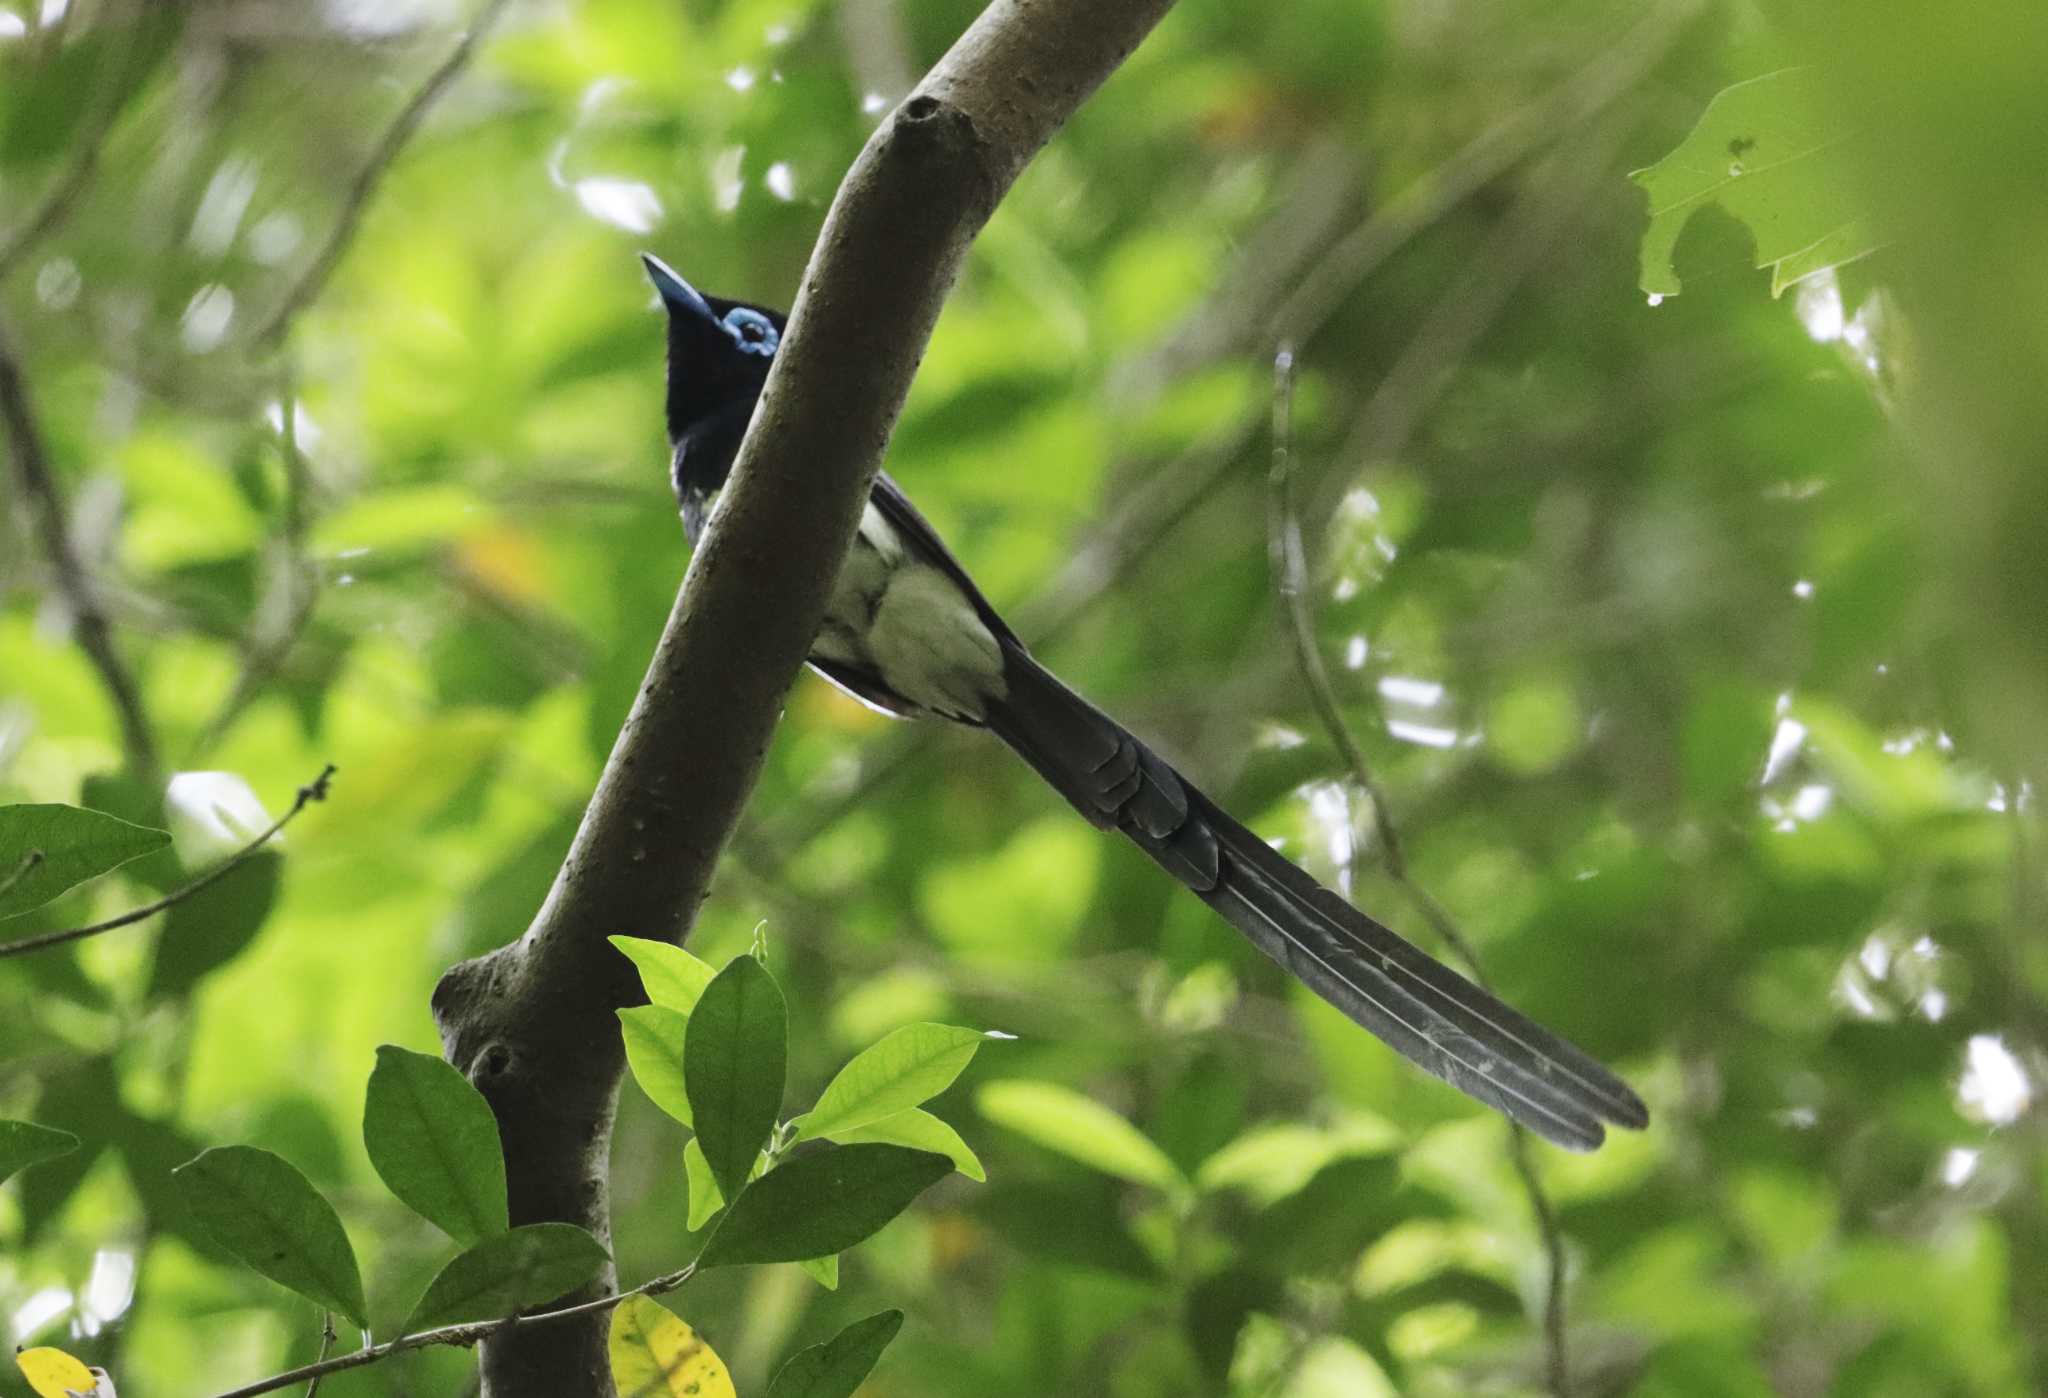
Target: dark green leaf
435,1142
47,849
733,1066
261,1209
821,1203
835,1369
23,1143
213,926
509,1272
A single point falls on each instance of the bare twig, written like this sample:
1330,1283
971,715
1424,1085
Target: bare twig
89,620
461,1336
314,278
1291,584
327,1339
316,790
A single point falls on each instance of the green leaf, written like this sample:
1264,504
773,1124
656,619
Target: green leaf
215,924
733,1067
671,976
507,1272
45,850
260,1208
837,1367
1770,151
1078,1127
654,1037
909,1066
919,1130
822,1270
655,1355
821,1203
434,1142
23,1143
705,1196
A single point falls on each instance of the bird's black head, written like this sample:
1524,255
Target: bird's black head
718,357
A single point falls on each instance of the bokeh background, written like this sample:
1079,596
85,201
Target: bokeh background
1695,649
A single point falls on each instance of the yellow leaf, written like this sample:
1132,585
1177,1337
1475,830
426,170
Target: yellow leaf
655,1355
54,1374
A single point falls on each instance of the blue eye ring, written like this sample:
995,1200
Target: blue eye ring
751,331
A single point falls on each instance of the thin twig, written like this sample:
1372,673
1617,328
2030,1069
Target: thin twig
463,1335
327,1338
20,870
316,790
89,620
314,278
1291,583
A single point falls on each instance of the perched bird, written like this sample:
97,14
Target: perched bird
907,631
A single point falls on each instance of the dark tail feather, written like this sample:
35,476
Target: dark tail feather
1424,1010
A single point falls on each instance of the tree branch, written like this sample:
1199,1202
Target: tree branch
533,1023
1291,585
462,1336
316,790
314,278
89,620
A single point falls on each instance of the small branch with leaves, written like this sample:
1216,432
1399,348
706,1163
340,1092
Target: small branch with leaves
134,841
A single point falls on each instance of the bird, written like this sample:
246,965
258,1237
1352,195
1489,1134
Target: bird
908,632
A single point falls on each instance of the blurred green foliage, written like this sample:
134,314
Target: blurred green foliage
1697,648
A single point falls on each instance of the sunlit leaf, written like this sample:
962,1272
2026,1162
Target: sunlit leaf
54,1374
260,1208
433,1140
821,1203
705,1196
1078,1127
919,1130
914,1063
655,1035
836,1368
655,1355
23,1143
508,1272
733,1068
823,1270
672,976
1771,152
45,850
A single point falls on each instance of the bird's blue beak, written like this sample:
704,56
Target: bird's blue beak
677,295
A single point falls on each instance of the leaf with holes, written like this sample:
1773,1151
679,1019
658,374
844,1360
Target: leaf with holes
655,1355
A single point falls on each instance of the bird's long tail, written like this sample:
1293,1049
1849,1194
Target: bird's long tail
1420,1007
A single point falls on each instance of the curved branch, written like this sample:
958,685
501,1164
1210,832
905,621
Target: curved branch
89,619
314,279
533,1023
462,1336
316,790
